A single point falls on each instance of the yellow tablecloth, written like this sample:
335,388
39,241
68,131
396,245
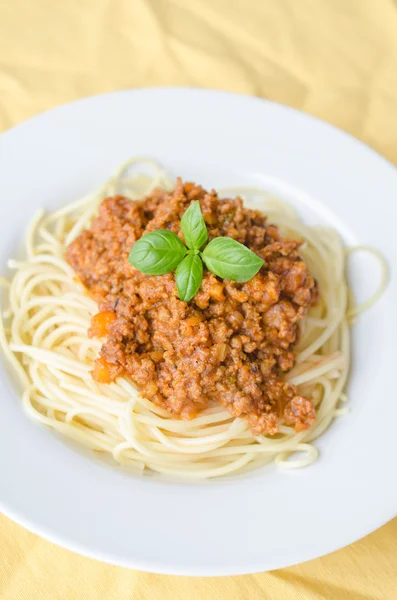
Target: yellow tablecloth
336,59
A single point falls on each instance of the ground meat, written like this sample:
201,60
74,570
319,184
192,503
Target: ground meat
230,344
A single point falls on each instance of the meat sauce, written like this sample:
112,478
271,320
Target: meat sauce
231,344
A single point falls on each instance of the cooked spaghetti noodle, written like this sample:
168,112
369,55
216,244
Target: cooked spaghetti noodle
44,335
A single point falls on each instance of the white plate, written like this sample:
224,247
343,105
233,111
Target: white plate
269,518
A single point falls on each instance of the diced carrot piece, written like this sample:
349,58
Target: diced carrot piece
216,291
220,351
100,323
101,372
156,355
194,320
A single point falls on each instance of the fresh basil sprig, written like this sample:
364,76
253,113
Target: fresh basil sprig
157,252
231,260
162,251
194,227
188,276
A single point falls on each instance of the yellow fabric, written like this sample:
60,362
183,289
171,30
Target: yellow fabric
336,59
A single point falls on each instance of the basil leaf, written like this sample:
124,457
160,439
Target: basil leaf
188,277
194,227
231,260
157,252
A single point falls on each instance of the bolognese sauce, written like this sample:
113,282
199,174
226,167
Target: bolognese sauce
231,344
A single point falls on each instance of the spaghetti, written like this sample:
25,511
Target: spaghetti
44,335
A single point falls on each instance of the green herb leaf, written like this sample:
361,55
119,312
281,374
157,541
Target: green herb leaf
157,252
188,276
231,260
194,227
